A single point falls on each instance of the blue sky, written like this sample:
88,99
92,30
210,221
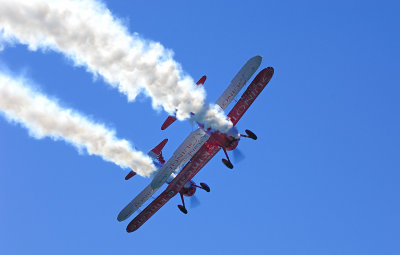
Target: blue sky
321,179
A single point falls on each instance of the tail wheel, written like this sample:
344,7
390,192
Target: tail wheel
227,163
205,186
251,134
182,208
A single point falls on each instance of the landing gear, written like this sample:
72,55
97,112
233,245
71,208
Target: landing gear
227,162
250,135
182,208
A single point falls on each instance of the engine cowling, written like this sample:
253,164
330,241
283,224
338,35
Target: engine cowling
227,141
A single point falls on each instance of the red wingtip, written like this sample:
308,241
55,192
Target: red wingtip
270,70
130,175
202,80
168,122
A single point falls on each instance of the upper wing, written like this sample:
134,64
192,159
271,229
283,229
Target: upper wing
233,89
238,81
251,93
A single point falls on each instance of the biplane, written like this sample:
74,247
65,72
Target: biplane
198,148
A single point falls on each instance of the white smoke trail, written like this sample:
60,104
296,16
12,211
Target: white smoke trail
86,32
45,118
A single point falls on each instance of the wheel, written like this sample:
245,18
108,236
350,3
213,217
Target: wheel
183,209
205,186
251,134
227,163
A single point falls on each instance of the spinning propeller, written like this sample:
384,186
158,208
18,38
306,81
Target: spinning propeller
238,155
194,201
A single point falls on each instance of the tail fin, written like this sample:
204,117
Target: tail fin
171,119
156,152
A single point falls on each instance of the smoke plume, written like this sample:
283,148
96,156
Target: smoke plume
86,32
43,117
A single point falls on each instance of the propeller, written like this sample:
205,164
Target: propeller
194,201
237,155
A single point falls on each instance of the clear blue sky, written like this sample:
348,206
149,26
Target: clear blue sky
323,178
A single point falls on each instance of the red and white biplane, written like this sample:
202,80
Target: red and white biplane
197,149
